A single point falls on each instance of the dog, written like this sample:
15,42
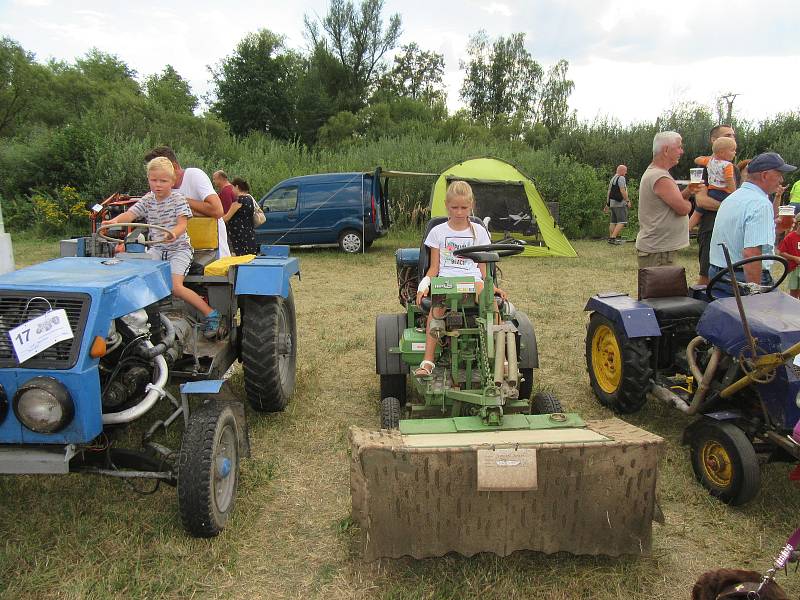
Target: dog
733,584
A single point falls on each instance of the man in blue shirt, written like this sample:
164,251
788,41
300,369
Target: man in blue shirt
745,222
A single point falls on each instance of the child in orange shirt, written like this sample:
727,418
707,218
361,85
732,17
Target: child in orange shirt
721,178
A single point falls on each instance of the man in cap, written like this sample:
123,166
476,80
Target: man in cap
745,222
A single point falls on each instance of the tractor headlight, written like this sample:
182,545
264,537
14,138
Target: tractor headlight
43,405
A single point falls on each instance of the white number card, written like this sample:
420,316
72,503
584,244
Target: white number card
37,335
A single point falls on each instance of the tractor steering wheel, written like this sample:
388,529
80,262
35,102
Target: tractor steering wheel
477,253
170,236
719,276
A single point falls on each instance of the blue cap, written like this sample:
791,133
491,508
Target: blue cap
768,161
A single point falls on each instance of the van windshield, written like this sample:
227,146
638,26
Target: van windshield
282,199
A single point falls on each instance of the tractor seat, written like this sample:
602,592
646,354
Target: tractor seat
675,308
664,290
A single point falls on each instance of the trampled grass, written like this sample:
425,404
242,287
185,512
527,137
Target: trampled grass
291,535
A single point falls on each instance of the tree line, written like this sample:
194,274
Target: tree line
72,132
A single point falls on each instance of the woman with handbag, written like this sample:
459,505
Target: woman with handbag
241,220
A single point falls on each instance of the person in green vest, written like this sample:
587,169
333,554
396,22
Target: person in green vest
794,196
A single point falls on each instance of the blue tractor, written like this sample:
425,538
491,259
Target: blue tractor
92,342
729,364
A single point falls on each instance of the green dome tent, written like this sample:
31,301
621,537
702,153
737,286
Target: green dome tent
510,200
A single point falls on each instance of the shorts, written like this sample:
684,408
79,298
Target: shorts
655,259
793,279
180,259
619,215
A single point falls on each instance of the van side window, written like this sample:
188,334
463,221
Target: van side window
281,200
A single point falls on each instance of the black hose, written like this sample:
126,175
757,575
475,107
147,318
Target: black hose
166,342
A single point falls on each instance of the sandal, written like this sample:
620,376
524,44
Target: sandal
425,368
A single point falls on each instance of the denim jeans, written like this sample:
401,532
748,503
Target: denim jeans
723,289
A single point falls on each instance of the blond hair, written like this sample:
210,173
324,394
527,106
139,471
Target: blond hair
160,163
723,143
461,189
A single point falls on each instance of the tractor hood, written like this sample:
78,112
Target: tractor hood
774,320
124,285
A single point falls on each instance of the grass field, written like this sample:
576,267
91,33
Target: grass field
291,535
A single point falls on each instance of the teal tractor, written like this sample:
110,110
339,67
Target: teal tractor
485,355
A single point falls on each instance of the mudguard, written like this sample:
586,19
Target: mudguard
529,352
635,318
268,274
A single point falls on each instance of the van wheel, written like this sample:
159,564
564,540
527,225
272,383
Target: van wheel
350,241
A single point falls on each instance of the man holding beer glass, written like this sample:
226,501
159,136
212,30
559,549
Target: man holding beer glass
745,222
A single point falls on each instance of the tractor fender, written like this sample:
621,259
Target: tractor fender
697,424
268,274
635,318
528,352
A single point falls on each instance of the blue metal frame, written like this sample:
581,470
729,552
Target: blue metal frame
635,318
268,274
116,287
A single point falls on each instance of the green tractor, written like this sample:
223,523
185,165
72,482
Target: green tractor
485,356
470,447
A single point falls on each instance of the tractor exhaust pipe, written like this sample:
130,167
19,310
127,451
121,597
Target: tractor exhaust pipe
499,357
511,353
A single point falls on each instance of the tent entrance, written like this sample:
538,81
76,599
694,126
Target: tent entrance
507,206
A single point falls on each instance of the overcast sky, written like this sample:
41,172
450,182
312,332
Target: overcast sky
629,59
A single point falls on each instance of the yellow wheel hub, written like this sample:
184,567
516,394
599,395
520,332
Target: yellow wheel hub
606,359
717,464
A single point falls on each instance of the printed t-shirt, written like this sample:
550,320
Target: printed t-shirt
164,213
448,240
718,172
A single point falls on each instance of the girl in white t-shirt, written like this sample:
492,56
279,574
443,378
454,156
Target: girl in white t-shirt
458,232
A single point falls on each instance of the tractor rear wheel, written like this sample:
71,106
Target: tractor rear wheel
725,462
269,350
390,413
208,469
619,367
545,403
390,366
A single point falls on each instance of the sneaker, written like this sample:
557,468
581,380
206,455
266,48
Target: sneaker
211,324
612,240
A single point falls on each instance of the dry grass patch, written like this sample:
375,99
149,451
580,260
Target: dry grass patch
291,535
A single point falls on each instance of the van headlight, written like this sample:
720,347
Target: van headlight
43,405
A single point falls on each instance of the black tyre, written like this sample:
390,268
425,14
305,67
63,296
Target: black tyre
526,385
390,413
394,386
619,367
545,403
269,350
208,469
725,462
351,241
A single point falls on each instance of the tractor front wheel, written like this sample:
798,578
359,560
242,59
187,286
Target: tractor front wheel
619,367
269,350
390,413
725,462
545,403
208,469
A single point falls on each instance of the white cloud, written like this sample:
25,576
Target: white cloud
495,8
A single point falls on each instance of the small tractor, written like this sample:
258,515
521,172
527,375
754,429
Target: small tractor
729,363
91,342
479,465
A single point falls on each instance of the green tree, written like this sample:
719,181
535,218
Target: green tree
255,89
21,81
170,91
502,79
359,40
416,74
553,108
